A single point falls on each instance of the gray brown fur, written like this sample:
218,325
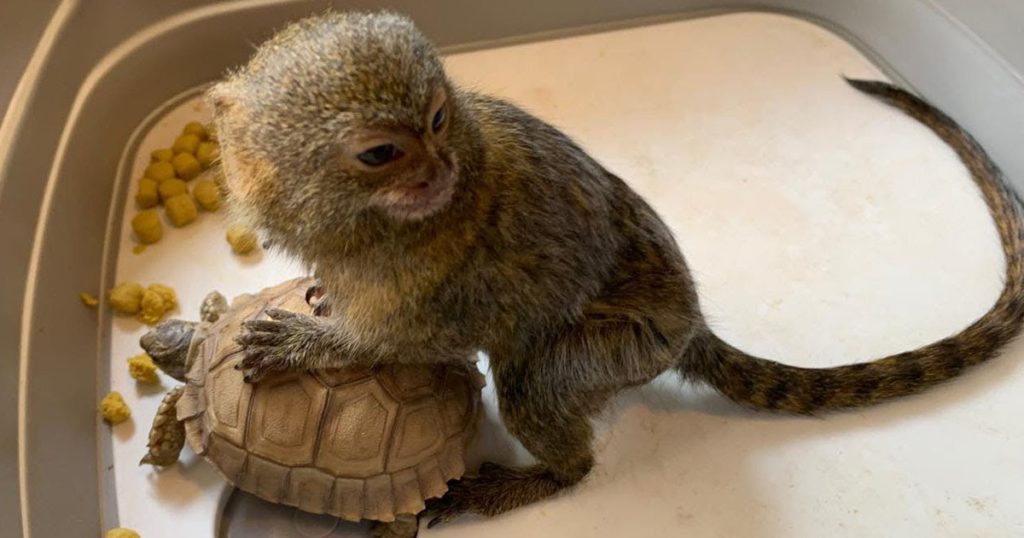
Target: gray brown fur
543,259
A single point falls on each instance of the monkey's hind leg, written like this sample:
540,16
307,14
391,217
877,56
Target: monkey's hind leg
561,443
547,402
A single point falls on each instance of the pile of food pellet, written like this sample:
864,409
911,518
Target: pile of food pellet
148,305
166,182
191,159
178,184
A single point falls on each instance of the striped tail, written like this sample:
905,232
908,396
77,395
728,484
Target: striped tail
765,384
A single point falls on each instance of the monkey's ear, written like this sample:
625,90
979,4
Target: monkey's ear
220,97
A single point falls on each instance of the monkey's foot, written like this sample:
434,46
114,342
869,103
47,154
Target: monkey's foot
496,489
286,341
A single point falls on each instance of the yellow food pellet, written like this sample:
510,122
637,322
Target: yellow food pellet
138,249
157,300
186,165
126,298
153,308
165,154
113,408
207,152
242,240
160,171
195,128
147,227
207,194
185,143
121,532
181,209
142,369
166,293
88,299
172,187
147,196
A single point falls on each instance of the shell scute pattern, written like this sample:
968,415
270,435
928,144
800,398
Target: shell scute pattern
355,443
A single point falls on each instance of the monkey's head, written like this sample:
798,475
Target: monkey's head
339,121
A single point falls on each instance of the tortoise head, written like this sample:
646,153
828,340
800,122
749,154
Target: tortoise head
167,344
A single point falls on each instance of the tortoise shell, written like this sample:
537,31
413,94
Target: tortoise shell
356,443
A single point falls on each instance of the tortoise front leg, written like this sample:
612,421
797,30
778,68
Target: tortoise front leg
167,436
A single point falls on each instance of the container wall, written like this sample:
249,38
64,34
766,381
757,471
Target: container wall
112,63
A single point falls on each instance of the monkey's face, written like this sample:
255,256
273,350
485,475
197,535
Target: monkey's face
342,127
409,172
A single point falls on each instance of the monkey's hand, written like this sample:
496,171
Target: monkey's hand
286,341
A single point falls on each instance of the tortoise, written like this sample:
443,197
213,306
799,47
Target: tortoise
355,443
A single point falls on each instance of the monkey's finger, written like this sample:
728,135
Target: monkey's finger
444,509
442,518
265,367
258,339
315,291
263,325
254,376
322,306
265,358
281,314
254,356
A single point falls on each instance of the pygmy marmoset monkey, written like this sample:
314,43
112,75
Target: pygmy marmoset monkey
442,222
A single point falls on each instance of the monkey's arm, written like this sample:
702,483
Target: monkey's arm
291,341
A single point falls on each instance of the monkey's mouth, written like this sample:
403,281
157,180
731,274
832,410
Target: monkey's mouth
421,200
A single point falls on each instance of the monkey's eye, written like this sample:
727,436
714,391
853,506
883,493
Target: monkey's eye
439,117
379,155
